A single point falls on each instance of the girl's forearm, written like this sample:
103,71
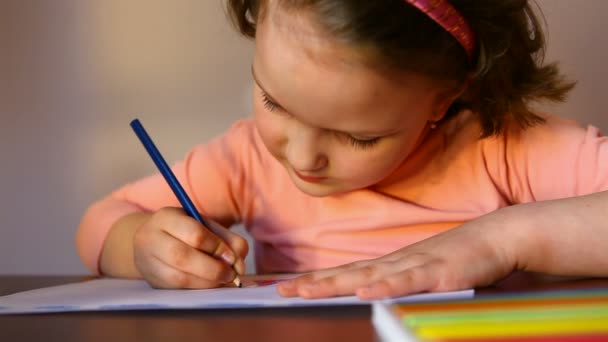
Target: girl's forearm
116,258
566,237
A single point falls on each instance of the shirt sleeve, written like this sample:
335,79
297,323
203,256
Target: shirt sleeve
212,174
557,159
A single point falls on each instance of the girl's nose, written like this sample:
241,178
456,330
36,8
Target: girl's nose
304,152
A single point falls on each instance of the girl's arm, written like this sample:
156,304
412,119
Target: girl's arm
569,236
212,174
561,237
116,257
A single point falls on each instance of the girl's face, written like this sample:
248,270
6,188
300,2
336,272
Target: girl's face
335,124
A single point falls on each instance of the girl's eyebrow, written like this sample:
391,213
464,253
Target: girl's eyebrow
255,79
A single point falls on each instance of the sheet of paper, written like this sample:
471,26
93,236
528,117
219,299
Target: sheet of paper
119,294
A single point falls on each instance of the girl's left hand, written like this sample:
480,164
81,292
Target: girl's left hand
477,253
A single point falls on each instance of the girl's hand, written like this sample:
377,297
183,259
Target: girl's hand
173,250
474,254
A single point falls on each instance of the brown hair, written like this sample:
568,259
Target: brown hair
505,75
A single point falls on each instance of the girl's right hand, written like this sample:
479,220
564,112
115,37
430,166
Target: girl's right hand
173,250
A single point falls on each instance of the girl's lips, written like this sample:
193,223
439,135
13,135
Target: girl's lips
309,179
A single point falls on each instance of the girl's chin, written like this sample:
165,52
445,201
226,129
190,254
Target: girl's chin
315,190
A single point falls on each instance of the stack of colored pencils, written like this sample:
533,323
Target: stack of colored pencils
567,315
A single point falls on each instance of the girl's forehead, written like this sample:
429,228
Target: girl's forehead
293,32
285,34
299,27
289,40
322,82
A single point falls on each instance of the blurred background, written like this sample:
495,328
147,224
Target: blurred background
73,74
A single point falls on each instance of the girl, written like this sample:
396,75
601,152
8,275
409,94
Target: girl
392,140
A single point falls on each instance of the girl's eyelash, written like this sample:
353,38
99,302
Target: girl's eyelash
362,144
356,143
268,104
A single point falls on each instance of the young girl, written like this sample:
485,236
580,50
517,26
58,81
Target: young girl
392,140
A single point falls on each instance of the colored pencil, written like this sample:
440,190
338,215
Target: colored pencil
169,176
514,329
510,315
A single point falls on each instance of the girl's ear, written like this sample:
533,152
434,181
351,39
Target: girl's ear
441,107
445,100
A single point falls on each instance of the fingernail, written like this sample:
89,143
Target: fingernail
239,266
228,257
364,292
370,292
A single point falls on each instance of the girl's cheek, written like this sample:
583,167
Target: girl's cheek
271,131
351,165
371,166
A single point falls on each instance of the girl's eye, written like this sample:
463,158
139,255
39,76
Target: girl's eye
268,104
362,144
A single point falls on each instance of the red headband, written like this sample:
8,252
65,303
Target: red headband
444,14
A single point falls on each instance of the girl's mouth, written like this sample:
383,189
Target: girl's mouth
309,179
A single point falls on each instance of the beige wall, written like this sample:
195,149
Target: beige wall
73,73
577,38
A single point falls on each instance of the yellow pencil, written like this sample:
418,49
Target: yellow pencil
514,329
538,313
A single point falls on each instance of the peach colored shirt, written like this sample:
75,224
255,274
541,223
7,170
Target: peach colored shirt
452,177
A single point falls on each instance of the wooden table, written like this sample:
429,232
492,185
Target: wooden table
335,324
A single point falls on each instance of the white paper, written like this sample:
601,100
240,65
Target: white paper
388,325
120,294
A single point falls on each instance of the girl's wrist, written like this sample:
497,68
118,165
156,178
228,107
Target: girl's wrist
116,258
515,234
520,234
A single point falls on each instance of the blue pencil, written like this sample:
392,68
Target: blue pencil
169,176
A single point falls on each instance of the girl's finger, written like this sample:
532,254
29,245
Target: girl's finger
185,258
422,278
237,244
346,283
194,234
289,288
163,276
361,269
